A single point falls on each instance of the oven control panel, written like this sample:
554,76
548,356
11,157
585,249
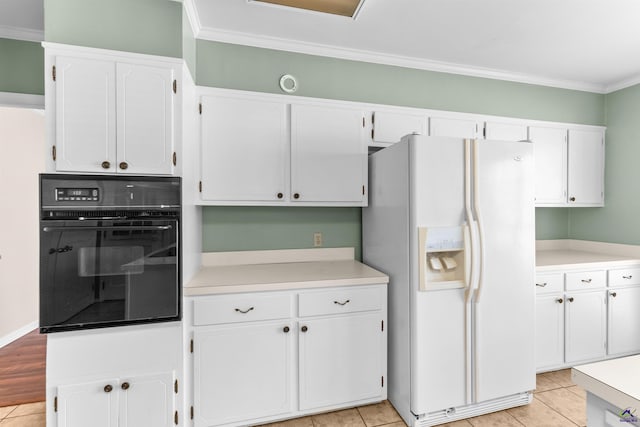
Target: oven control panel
77,194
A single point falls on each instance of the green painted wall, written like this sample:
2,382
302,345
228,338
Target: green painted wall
249,68
619,220
552,223
255,228
143,26
21,67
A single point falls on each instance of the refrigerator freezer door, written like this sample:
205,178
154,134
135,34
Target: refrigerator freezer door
504,303
438,323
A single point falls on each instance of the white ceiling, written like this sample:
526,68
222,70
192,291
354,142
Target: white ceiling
22,19
591,45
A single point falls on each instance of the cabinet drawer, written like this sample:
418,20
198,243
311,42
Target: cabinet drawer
624,276
241,308
340,301
585,280
549,283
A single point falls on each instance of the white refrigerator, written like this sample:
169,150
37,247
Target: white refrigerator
451,221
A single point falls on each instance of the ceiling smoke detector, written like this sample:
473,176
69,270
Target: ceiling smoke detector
348,8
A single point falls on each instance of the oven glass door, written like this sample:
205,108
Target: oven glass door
97,273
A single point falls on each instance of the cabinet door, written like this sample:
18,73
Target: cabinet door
549,331
550,149
92,404
456,128
242,372
145,119
585,320
244,149
328,154
85,115
624,321
390,127
505,131
586,167
147,401
340,360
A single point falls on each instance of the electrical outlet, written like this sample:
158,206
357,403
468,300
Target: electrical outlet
317,239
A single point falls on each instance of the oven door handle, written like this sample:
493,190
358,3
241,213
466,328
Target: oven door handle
115,228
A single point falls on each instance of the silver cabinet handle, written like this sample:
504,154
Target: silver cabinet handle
341,303
627,277
542,285
586,280
244,311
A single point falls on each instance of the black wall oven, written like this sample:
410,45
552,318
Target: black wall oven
109,251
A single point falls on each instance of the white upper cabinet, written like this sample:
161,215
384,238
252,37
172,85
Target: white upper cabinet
85,115
453,127
388,127
263,149
244,149
110,115
586,167
505,131
144,119
550,151
328,156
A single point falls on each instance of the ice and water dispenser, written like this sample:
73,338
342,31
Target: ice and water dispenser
442,257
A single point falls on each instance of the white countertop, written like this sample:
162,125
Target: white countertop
253,271
616,381
579,254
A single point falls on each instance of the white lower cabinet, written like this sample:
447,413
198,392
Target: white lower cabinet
266,356
549,330
624,321
340,360
586,326
242,372
144,401
586,315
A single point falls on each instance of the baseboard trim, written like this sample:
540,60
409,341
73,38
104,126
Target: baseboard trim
18,333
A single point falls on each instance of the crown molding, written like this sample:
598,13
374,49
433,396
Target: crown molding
623,84
192,16
17,33
387,59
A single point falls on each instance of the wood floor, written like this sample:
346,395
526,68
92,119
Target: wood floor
22,370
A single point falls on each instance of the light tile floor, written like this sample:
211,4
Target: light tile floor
556,403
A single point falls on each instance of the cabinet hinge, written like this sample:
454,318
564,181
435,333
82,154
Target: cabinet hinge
200,108
54,153
175,386
55,404
373,118
174,158
175,86
53,73
484,131
175,417
200,186
382,325
362,121
382,381
191,412
363,190
191,346
372,134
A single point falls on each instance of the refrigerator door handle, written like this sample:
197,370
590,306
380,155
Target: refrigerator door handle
478,215
471,251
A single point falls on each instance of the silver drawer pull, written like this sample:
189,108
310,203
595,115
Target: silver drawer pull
542,285
627,277
341,303
586,280
244,311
